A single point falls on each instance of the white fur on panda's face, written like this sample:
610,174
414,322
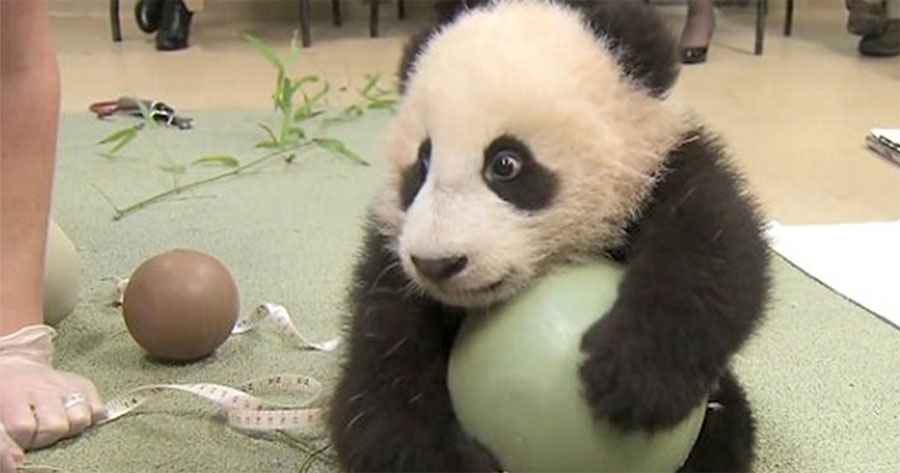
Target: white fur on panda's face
527,82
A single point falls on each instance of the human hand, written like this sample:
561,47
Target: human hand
11,455
38,404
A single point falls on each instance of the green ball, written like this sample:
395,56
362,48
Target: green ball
514,382
62,276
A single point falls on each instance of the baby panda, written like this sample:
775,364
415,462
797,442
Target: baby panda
533,134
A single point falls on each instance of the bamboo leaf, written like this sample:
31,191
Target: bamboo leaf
124,141
267,145
346,115
306,109
298,132
382,105
286,94
371,81
145,112
318,96
174,168
306,80
265,50
118,135
272,138
339,148
293,54
227,161
354,111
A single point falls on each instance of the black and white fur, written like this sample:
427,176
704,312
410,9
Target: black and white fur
532,134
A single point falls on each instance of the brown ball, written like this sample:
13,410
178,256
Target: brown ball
181,305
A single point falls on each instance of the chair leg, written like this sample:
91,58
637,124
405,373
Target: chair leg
373,17
401,9
761,9
789,17
305,36
336,12
114,20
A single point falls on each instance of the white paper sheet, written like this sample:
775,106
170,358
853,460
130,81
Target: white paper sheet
859,260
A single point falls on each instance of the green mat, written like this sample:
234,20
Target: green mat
823,374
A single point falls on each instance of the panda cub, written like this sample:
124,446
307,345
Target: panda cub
533,134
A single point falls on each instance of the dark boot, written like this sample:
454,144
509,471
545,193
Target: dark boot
865,18
175,26
882,45
148,13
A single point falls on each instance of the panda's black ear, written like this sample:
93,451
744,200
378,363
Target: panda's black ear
448,10
410,53
647,48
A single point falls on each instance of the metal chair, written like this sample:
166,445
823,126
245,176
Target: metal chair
374,7
305,28
762,9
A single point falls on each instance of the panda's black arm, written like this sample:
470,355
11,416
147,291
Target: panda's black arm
694,288
391,410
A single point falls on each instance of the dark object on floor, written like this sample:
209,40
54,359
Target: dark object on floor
694,55
158,111
884,44
175,26
147,14
879,142
865,18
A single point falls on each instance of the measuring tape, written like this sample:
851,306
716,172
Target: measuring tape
266,311
280,317
244,411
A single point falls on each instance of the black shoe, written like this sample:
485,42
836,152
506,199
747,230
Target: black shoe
148,13
695,55
885,44
697,33
175,27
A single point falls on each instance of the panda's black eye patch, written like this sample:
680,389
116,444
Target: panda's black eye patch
414,176
511,171
424,158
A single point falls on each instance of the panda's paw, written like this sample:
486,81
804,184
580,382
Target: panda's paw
627,383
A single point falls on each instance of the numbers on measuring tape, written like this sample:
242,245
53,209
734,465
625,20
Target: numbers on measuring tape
244,411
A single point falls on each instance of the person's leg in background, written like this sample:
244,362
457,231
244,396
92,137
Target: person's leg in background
698,31
170,19
878,22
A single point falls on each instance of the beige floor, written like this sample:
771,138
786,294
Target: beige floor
795,117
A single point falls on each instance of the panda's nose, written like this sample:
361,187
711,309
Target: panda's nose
440,269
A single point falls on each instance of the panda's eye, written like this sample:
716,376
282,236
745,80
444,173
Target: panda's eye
424,158
504,165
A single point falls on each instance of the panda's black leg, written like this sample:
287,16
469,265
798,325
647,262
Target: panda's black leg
391,410
727,439
694,287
